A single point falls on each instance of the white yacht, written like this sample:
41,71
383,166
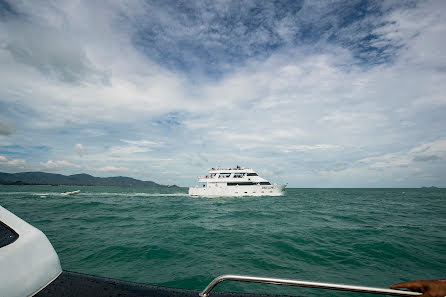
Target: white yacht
235,182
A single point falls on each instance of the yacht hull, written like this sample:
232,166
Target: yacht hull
237,191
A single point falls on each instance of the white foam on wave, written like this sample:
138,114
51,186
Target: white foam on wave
33,194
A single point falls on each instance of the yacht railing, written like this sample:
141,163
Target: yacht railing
298,283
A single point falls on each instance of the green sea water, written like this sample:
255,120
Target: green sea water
370,237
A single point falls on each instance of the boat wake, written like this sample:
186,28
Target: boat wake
137,194
93,194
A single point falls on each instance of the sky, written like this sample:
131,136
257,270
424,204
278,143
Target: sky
309,93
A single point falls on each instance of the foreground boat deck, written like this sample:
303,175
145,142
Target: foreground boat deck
73,284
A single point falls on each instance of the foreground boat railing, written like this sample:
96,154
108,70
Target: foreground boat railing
296,283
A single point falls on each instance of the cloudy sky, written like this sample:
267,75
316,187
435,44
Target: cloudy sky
312,93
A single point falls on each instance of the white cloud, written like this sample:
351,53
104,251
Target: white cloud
134,150
6,128
306,148
122,151
427,152
52,53
80,149
93,132
142,142
113,169
386,161
12,164
431,151
300,109
59,164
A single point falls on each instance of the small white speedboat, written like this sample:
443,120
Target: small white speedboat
71,193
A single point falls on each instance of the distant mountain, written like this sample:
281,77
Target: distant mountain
43,178
16,183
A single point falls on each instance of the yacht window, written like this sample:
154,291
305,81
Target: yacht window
7,235
224,175
242,184
252,174
213,175
238,175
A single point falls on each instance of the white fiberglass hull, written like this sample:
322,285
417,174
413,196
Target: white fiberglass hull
235,191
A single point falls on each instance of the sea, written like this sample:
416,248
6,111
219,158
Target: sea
368,237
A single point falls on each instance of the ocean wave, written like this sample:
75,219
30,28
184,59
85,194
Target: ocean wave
337,235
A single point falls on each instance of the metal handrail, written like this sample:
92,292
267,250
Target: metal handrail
297,283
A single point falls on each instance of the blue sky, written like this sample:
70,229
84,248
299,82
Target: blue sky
312,93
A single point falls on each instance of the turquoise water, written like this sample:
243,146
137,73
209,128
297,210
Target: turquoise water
371,237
